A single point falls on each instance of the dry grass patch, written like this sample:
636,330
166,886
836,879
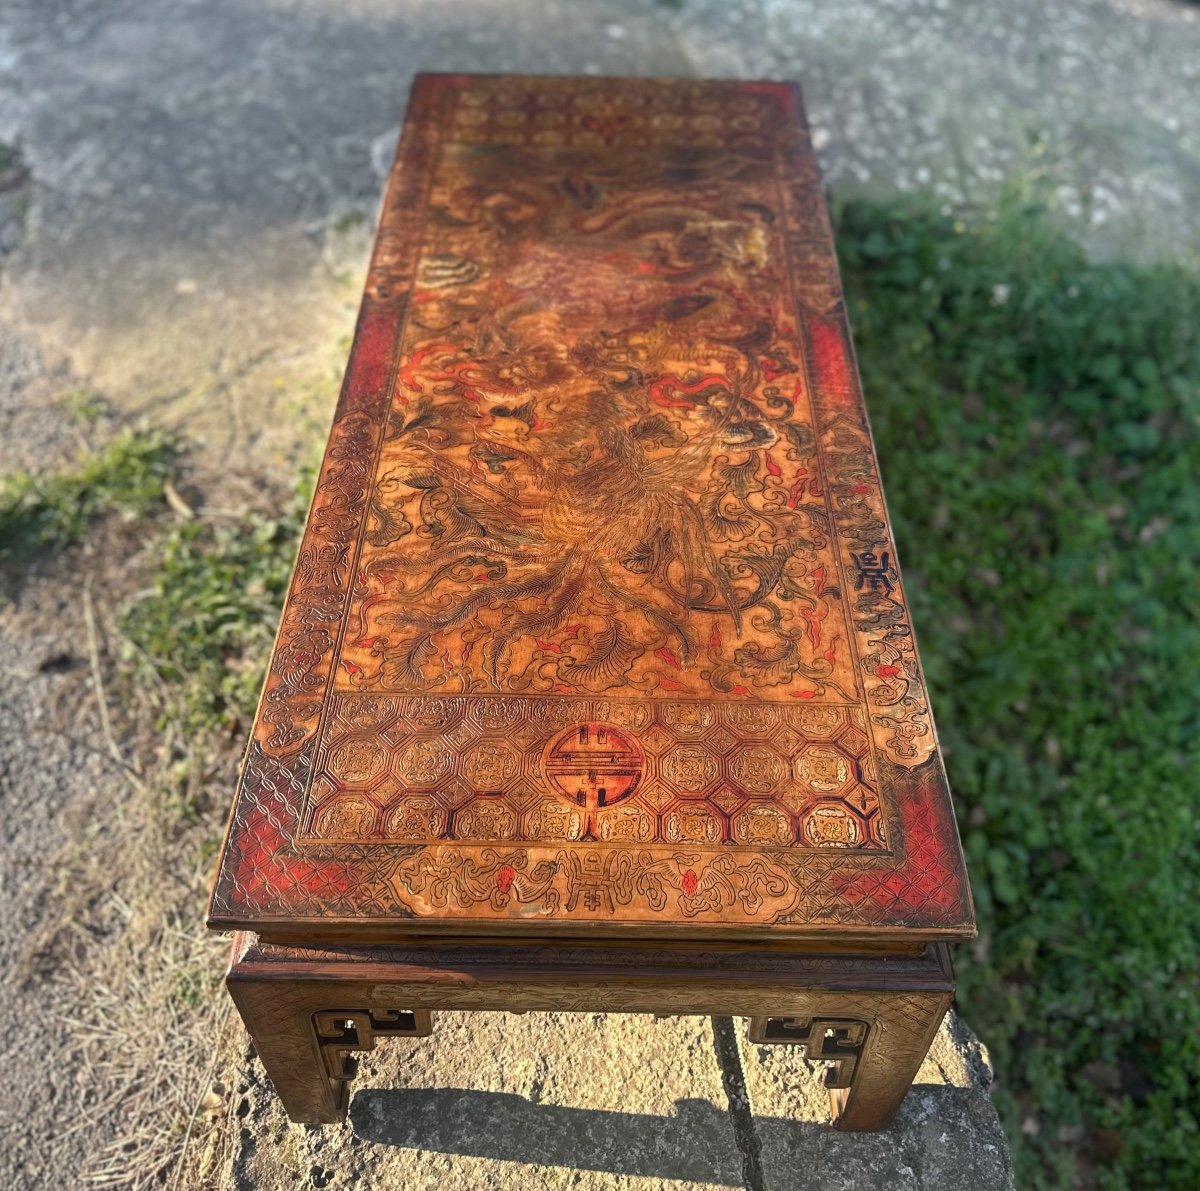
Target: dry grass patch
176,612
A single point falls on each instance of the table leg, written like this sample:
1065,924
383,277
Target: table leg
876,1043
307,1047
280,1018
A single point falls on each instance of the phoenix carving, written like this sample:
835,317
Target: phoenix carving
599,472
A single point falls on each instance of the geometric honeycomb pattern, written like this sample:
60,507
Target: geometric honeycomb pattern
422,769
501,113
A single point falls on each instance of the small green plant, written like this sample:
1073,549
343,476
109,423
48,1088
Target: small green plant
1037,417
198,638
347,221
85,406
126,477
195,985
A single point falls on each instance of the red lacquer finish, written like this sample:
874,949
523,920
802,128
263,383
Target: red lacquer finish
596,625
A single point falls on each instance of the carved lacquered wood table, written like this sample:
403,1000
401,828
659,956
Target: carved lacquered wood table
595,687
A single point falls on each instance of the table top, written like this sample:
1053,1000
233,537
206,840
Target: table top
596,627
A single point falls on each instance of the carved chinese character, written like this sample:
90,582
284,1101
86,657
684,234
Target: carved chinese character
873,571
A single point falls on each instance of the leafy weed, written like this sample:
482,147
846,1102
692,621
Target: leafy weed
46,512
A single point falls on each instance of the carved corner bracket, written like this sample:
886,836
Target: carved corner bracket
341,1032
839,1041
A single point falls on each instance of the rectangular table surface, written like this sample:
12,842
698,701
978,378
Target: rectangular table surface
596,626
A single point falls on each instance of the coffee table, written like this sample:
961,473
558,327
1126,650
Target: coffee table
595,687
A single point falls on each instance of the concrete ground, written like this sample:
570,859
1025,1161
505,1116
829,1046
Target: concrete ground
203,174
497,1101
186,195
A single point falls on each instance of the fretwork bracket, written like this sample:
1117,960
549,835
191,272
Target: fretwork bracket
341,1032
839,1041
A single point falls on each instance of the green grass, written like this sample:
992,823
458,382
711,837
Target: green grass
51,511
1037,421
195,643
197,640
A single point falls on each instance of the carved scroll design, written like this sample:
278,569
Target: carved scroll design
593,881
886,655
295,688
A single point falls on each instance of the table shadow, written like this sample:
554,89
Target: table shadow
698,1143
695,1144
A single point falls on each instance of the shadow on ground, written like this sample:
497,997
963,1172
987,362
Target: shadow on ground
505,1127
511,1128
